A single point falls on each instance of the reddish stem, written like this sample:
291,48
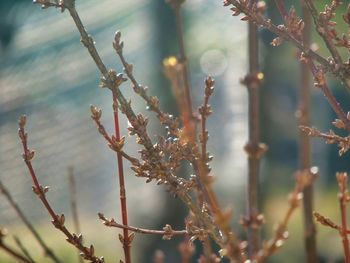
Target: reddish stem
38,187
57,221
344,197
343,231
327,93
122,191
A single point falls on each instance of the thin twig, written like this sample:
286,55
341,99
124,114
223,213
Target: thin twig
303,179
187,113
57,220
188,118
206,192
73,203
205,111
201,166
322,24
13,253
113,143
73,199
152,101
48,251
325,221
23,249
221,217
330,138
321,83
168,232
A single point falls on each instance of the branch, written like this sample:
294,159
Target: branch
321,25
205,111
113,143
111,80
154,160
330,138
58,221
321,83
151,101
327,222
167,231
281,31
187,111
126,241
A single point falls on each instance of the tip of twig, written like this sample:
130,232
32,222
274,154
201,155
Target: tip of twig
101,216
22,121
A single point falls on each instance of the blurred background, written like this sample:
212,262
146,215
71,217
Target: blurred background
46,74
